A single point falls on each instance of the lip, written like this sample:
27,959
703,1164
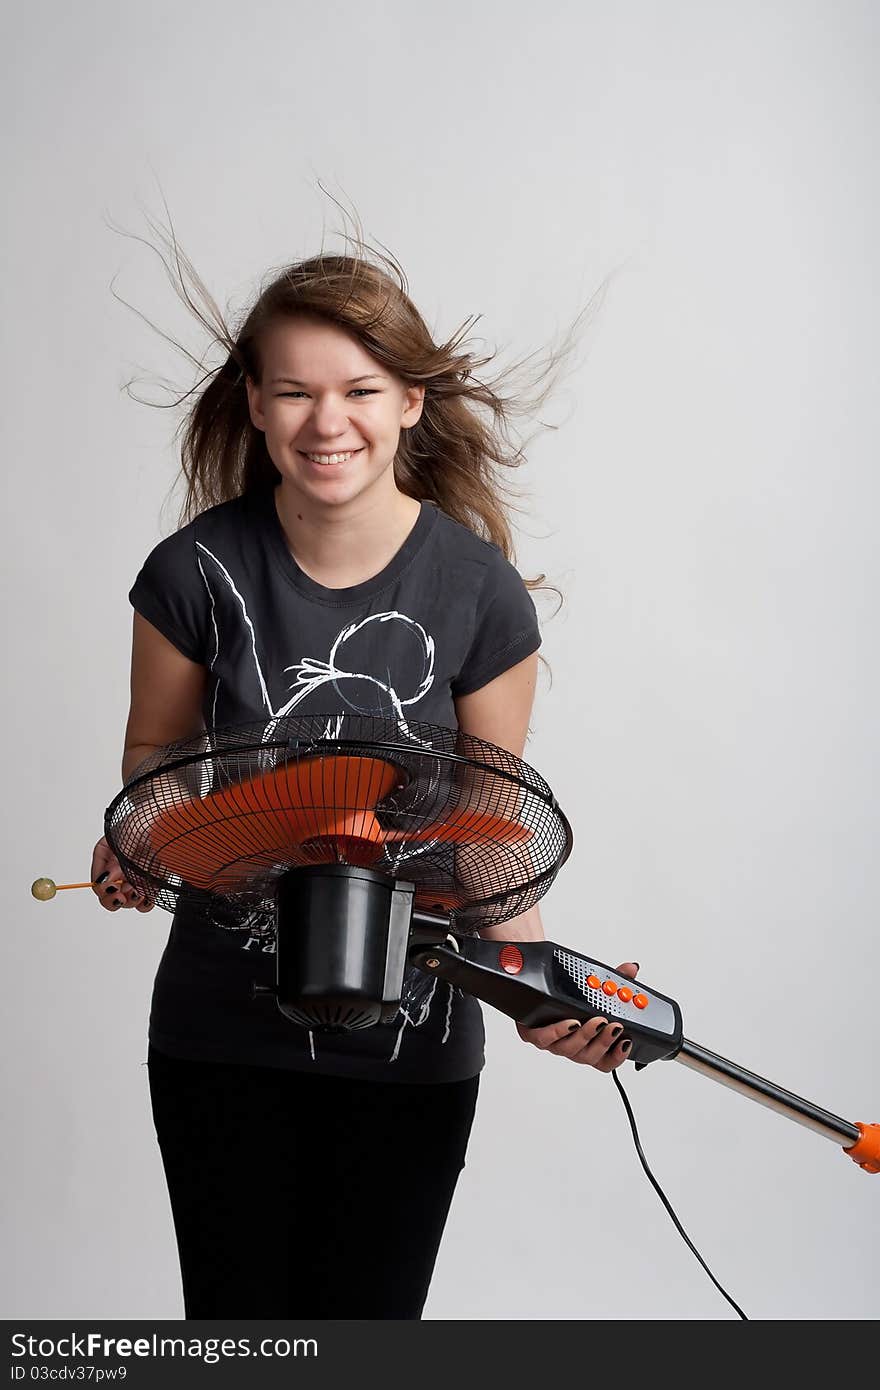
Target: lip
305,452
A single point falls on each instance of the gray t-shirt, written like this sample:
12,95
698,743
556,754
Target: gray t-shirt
446,615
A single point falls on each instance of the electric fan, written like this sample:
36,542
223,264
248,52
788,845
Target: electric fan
369,846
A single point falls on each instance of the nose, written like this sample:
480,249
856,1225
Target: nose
329,419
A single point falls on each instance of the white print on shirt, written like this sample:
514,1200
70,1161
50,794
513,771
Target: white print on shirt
362,693
380,698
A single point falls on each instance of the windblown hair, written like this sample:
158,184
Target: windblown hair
459,454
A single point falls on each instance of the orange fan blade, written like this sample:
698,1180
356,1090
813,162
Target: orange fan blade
467,827
429,899
215,842
302,812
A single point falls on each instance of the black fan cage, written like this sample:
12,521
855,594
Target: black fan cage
508,840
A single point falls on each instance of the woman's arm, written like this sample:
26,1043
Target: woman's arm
167,690
500,714
166,705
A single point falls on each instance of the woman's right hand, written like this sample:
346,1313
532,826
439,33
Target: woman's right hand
110,885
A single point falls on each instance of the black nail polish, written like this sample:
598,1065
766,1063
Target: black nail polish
101,877
574,1027
625,1046
117,902
637,966
618,1028
111,888
600,1026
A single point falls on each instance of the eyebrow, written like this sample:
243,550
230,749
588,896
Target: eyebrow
292,381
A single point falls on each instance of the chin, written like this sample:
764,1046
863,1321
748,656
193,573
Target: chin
339,486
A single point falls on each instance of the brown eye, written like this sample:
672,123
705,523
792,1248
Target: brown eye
358,391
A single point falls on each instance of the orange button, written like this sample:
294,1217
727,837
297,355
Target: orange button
609,987
624,994
593,981
640,1001
510,958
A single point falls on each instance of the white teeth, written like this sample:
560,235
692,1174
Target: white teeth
330,458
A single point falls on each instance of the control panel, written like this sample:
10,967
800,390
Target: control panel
540,982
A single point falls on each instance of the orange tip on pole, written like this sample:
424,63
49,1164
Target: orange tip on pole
866,1151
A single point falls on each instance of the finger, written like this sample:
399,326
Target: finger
105,886
106,869
584,1043
130,895
112,893
140,900
630,968
615,1056
103,872
114,890
597,1043
549,1034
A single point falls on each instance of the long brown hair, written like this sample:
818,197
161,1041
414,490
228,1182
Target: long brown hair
460,454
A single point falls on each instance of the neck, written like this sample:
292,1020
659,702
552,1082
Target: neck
342,546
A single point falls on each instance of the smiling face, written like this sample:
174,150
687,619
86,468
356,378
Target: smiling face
323,394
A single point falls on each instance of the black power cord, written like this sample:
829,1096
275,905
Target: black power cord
660,1193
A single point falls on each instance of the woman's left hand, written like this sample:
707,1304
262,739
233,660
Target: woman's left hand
593,1044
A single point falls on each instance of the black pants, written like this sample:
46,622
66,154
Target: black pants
300,1196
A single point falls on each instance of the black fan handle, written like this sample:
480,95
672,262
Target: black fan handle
539,982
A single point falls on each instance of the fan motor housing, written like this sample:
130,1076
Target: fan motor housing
342,936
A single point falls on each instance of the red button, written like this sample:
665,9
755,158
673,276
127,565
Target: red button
593,981
609,987
641,1001
624,994
510,959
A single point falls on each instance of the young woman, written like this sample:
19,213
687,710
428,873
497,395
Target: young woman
346,550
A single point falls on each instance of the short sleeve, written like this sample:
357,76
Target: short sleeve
505,629
170,594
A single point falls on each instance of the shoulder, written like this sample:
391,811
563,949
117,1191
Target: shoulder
458,542
455,536
224,519
500,625
170,589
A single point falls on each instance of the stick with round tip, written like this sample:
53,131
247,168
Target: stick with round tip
44,888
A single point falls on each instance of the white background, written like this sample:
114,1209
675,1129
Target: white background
708,505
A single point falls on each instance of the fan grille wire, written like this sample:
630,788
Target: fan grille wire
211,823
